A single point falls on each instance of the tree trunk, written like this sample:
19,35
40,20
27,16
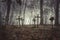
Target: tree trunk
0,20
56,12
24,10
41,12
11,17
8,11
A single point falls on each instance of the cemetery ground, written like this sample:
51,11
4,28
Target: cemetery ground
25,32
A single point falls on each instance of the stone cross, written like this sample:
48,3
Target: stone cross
37,19
51,19
34,21
18,20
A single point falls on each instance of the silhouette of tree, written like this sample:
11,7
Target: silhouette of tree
56,12
24,10
8,11
41,11
13,9
0,19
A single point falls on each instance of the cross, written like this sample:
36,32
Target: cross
52,19
37,19
34,21
18,19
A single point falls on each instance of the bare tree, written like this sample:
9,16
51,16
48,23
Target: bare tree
8,11
56,12
41,11
0,17
24,9
13,9
1,12
0,20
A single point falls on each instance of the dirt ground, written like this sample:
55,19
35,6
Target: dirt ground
31,33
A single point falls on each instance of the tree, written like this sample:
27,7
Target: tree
0,20
8,11
13,9
41,12
24,10
0,17
56,12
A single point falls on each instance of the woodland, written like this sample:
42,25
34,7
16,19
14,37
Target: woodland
29,19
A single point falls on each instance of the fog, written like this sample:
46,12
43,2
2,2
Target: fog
32,9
